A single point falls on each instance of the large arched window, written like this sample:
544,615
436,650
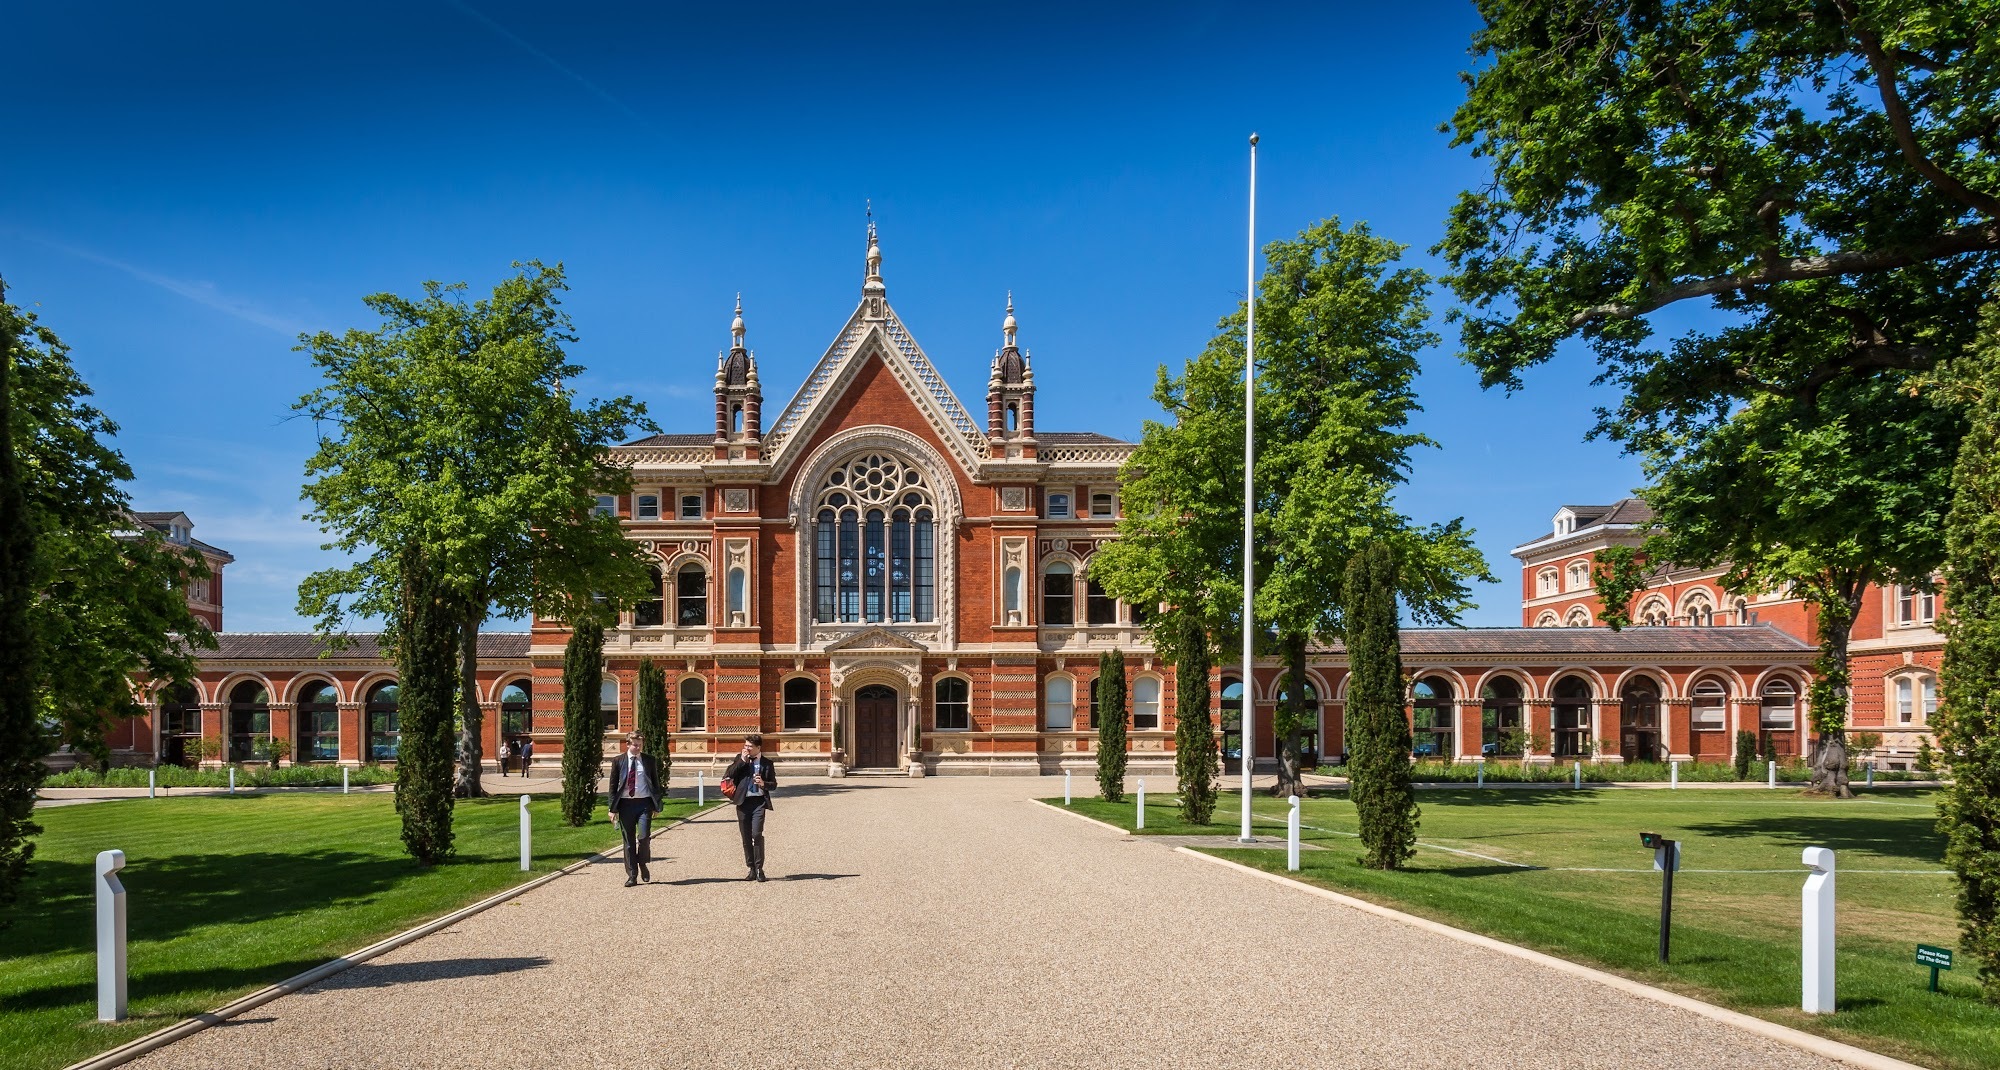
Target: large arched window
1232,718
1058,595
1060,704
180,721
1571,712
1780,704
1099,607
385,724
517,713
1500,718
1653,614
249,721
1146,704
1579,575
1916,698
1579,617
651,611
954,704
1309,705
694,704
319,724
1699,611
1639,716
607,702
801,704
1548,581
875,543
691,596
1431,718
1709,710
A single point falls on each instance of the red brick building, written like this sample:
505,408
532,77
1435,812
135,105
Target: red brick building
876,579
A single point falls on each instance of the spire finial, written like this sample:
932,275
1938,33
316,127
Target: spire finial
873,283
1007,326
736,327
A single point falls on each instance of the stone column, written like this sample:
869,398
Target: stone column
284,720
215,733
353,734
489,735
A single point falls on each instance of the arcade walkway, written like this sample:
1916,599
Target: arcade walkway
949,923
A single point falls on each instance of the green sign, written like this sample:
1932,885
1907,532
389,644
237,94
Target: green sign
1936,957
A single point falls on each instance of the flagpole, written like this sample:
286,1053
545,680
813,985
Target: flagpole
1249,711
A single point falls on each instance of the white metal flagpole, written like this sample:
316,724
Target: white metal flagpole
1249,711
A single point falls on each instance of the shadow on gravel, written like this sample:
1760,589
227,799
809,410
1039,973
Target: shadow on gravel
816,876
371,975
686,882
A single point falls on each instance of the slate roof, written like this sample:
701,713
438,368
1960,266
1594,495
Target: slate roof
674,440
1524,643
1077,438
1622,511
364,646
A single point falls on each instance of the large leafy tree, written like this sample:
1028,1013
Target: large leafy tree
1824,497
90,600
1968,721
449,429
1821,180
1339,326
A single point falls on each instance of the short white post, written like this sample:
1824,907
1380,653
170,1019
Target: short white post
232,780
150,793
343,780
701,789
1770,774
1576,775
1065,787
527,851
1482,772
1292,837
1816,963
1673,775
1142,802
110,937
1871,774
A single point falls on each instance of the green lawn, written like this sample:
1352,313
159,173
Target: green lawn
227,894
1563,872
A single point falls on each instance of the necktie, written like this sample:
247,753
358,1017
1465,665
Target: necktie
631,777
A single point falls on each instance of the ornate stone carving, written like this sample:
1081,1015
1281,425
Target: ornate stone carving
1014,499
736,500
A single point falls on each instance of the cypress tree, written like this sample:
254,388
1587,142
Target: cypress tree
1746,751
1196,760
1378,735
1968,719
649,714
426,641
1111,726
21,742
583,730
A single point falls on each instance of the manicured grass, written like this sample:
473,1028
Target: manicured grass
1790,771
255,776
227,894
1736,933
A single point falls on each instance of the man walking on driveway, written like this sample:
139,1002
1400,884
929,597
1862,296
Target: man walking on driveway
751,777
635,797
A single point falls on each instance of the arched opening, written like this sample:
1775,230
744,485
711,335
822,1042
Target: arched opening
1010,595
1778,717
1058,595
249,722
1232,718
385,726
691,596
953,704
1431,718
607,703
517,715
739,597
1500,727
801,704
1569,709
1059,705
736,417
694,704
875,727
1708,721
1700,612
1013,416
1639,721
180,721
318,721
1309,738
874,536
651,612
1146,704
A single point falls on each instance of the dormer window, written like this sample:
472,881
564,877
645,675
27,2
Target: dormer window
1059,506
1565,522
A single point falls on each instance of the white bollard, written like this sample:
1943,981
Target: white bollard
232,780
150,792
1871,774
1292,837
1816,962
1065,787
1576,775
701,789
1770,774
1482,772
1673,775
343,780
527,850
110,937
1142,802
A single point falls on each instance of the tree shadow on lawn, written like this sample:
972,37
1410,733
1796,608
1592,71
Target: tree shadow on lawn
171,896
1913,838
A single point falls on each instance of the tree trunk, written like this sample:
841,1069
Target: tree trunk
1289,722
1827,758
470,715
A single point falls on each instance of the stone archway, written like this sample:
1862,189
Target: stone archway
876,727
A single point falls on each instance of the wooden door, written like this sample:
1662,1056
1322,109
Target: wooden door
875,728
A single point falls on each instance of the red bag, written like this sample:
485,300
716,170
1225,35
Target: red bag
728,788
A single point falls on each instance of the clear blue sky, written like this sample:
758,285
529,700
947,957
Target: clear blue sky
191,186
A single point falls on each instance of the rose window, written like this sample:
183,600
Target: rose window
874,538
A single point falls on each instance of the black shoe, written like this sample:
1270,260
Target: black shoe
645,874
630,881
760,874
752,875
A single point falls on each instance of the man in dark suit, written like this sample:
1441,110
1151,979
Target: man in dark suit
636,795
753,777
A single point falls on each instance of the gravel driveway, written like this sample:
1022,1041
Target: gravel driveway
949,923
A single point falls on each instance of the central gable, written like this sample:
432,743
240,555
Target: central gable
881,346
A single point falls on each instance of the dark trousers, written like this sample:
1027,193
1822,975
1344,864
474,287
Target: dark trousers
635,824
750,824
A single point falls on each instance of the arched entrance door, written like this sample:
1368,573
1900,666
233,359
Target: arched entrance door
1640,714
875,727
